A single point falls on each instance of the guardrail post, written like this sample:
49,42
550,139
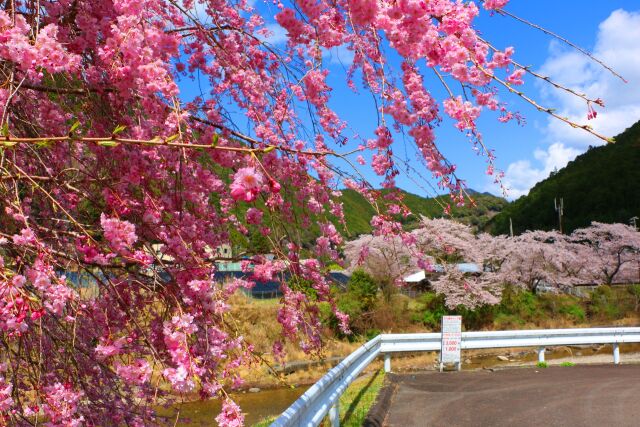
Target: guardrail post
540,354
616,353
387,362
334,415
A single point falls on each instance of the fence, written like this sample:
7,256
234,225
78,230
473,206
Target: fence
322,398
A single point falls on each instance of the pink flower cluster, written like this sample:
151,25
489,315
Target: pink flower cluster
26,237
464,112
61,406
176,333
46,53
254,216
6,401
266,270
495,4
298,31
247,184
137,373
120,235
108,348
53,289
363,12
231,415
316,88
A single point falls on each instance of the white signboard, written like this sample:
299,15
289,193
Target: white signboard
451,337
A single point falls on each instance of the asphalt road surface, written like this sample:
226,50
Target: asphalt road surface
601,395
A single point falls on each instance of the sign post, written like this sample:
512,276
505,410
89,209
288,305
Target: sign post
450,341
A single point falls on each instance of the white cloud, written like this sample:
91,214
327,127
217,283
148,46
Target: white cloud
617,45
520,176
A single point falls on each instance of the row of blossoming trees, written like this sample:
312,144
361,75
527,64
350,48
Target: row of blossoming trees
109,170
598,254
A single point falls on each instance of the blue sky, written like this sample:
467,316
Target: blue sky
610,29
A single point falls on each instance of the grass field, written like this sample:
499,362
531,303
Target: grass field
355,402
358,399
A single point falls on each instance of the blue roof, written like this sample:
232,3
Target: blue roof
463,267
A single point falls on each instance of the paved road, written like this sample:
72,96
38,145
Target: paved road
600,395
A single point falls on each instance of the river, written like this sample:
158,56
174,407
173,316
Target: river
256,407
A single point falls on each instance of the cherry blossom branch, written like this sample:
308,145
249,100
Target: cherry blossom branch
67,90
562,39
110,141
472,128
547,78
549,111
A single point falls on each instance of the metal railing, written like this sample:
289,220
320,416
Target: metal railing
323,397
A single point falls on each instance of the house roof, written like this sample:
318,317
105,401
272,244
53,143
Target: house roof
415,277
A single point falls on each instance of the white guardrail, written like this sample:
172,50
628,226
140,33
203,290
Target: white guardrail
323,396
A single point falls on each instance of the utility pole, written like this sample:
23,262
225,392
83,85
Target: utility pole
633,222
559,207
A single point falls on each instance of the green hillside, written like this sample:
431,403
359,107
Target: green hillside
602,184
358,212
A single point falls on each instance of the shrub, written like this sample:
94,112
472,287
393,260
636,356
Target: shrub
567,306
359,302
574,311
433,309
362,286
542,365
634,290
372,333
603,303
521,303
479,317
350,304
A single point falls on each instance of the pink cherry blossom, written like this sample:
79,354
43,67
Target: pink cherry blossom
246,185
25,237
121,184
120,234
254,216
231,416
138,372
495,4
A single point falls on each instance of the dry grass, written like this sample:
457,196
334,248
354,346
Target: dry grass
257,321
564,323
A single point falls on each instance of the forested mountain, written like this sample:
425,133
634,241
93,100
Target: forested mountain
602,184
358,212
